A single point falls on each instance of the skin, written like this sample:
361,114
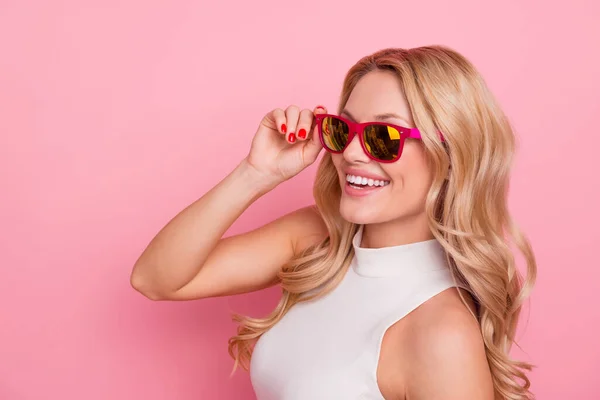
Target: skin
410,177
436,352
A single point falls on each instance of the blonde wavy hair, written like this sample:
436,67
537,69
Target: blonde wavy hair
466,207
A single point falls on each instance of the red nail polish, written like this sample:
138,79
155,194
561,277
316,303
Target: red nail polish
321,107
292,138
302,133
283,128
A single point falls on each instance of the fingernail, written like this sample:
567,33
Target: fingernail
283,128
321,107
292,138
302,133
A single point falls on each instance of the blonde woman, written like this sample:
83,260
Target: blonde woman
399,283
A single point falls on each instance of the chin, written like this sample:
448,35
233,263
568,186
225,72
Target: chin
359,214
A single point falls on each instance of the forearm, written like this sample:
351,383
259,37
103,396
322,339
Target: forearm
179,250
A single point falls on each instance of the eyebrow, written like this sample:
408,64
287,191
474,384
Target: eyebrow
379,117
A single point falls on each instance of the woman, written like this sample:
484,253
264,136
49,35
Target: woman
400,282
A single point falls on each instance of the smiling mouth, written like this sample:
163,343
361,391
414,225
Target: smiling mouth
358,182
363,187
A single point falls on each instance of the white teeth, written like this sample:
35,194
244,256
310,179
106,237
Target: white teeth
359,180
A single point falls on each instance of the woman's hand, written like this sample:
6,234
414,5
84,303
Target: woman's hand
285,143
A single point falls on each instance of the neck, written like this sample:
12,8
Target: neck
405,230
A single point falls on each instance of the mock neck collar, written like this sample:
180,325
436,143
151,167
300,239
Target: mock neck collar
402,260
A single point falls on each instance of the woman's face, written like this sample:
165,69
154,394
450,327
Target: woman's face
409,178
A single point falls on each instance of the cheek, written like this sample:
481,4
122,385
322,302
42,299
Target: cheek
412,187
337,162
411,175
336,159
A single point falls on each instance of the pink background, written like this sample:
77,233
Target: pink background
112,115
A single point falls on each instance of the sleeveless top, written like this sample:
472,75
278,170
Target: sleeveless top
328,348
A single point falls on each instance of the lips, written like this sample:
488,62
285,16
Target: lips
364,173
363,191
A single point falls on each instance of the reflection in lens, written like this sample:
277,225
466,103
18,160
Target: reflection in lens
382,141
335,133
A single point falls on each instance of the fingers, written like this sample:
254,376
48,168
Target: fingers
320,110
314,127
296,124
280,122
304,124
292,113
313,145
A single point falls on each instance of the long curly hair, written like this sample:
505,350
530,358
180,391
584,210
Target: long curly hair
467,207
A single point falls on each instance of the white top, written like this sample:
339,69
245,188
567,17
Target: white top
328,348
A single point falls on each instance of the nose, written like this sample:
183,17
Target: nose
354,152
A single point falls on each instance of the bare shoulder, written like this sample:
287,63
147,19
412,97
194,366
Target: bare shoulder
436,351
306,227
447,352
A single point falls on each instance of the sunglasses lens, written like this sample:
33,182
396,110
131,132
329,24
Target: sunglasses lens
335,133
383,142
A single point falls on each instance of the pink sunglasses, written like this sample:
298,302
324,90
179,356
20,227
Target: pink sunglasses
381,141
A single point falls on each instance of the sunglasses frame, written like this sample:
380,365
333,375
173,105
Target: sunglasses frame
358,128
